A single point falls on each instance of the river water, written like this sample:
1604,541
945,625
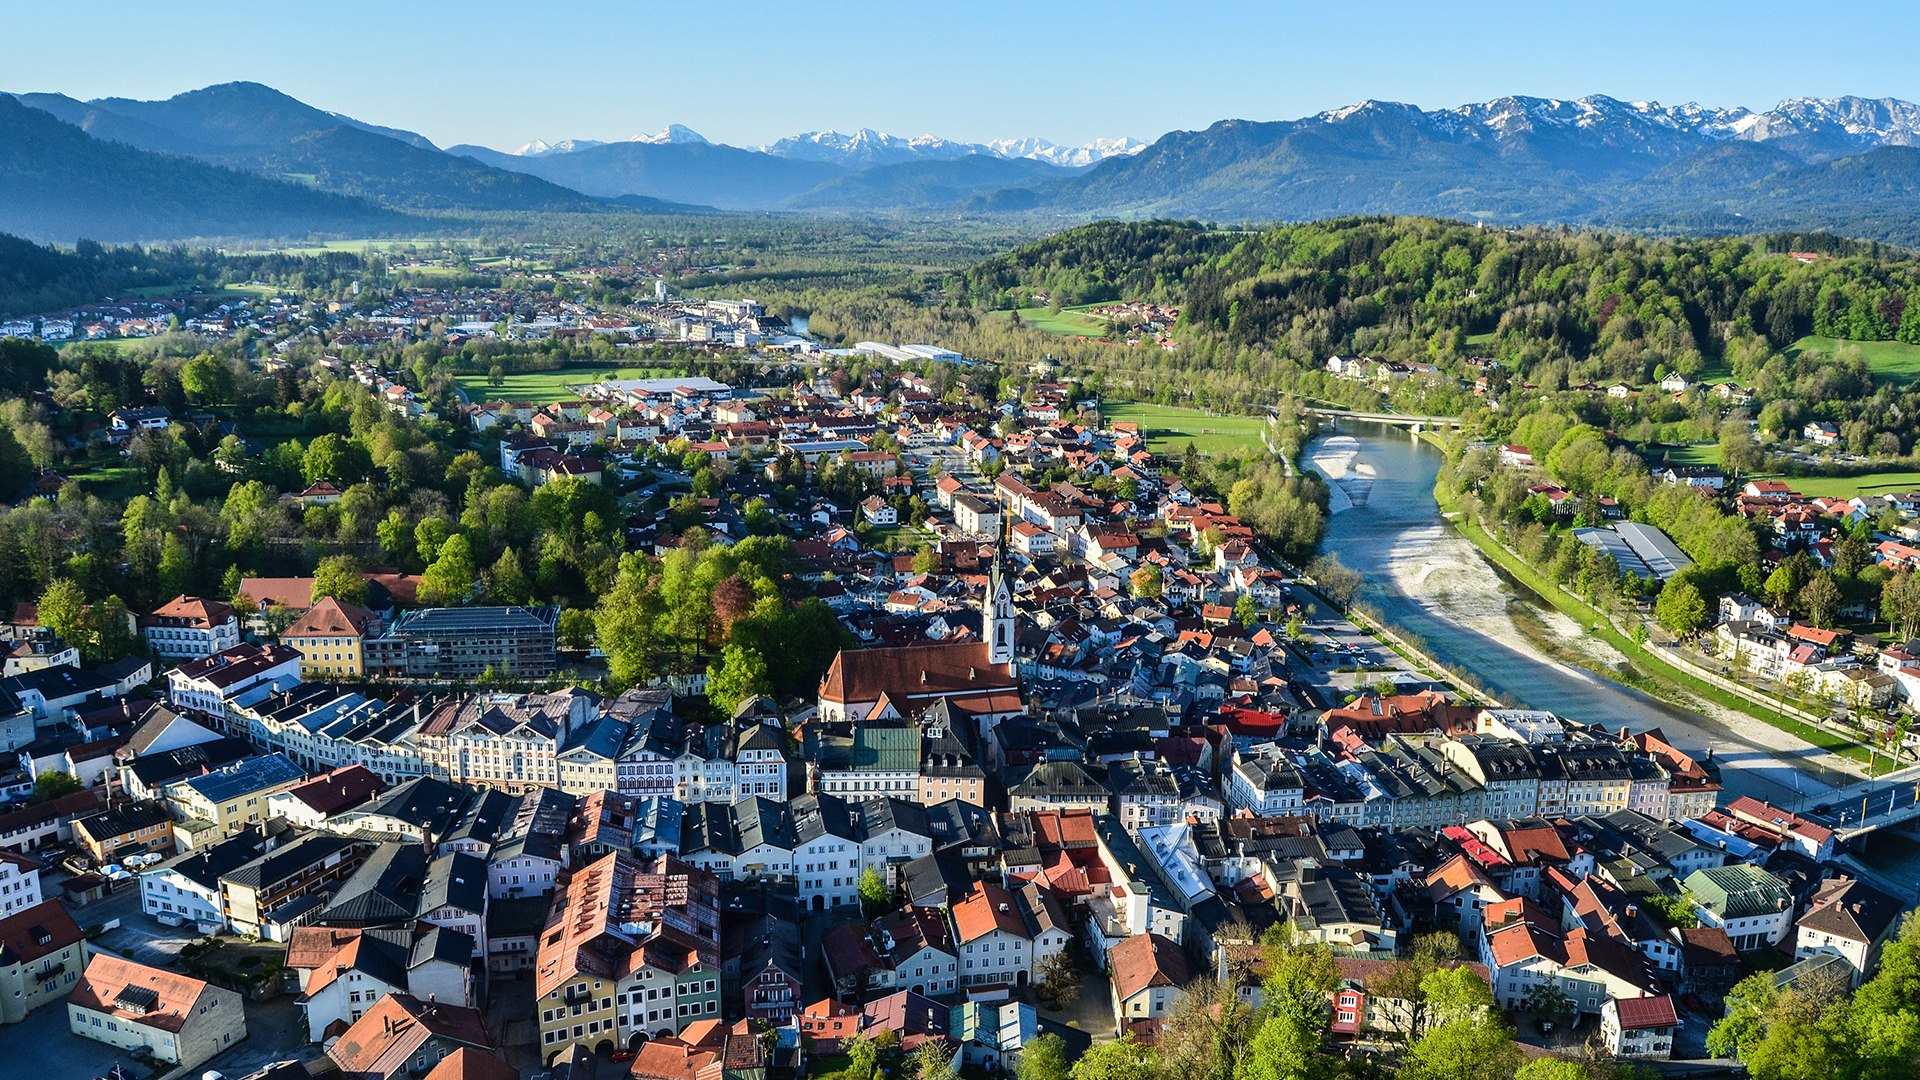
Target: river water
1423,577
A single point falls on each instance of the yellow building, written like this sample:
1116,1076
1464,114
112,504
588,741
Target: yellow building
331,639
42,953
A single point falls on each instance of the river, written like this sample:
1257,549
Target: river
1424,577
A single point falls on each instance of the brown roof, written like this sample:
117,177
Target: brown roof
1647,1012
136,993
1847,908
290,592
916,670
467,1063
386,1036
330,618
193,611
29,934
1144,961
341,789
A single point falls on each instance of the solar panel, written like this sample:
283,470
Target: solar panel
139,1000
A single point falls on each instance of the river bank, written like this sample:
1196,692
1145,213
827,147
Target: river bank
1424,578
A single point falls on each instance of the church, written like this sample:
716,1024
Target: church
893,684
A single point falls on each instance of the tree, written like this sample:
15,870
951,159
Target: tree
63,608
1145,583
875,896
1821,600
331,457
52,784
1336,582
1478,1048
507,582
449,579
1059,978
1781,586
1549,1004
207,379
1045,1058
1245,611
1206,1032
576,629
1553,1069
1122,1059
863,1056
340,577
626,624
1681,608
740,674
933,1061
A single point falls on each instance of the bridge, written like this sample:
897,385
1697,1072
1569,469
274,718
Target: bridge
1397,419
1871,805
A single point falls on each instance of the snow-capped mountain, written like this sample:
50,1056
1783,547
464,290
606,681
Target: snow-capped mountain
672,133
866,148
540,147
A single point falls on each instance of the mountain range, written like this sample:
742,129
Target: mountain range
243,159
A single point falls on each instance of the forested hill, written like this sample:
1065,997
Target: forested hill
1609,306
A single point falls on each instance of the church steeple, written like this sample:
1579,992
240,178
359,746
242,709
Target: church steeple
997,610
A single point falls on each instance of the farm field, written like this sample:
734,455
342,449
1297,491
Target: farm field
545,386
1880,483
1895,361
1072,321
1168,428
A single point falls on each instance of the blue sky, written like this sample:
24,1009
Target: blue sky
746,73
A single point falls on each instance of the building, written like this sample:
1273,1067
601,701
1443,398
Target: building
185,890
1150,973
402,1036
630,951
343,973
1848,917
190,628
176,1019
992,940
206,685
1639,1027
234,795
264,895
310,803
19,883
1752,906
134,828
42,952
456,643
331,639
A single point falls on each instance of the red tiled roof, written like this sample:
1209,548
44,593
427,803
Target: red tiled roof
1646,1012
108,977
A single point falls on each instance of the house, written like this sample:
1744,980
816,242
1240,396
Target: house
1149,973
42,952
205,686
233,795
185,890
1515,456
172,1018
992,940
452,643
1639,1027
190,628
1676,383
1848,917
878,511
343,973
19,883
123,422
1821,433
291,881
1752,906
311,803
136,827
331,639
404,1037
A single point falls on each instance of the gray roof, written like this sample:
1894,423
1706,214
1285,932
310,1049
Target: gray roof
245,777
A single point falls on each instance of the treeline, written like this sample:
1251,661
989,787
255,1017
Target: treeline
36,278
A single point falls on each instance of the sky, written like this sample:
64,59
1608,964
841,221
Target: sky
747,73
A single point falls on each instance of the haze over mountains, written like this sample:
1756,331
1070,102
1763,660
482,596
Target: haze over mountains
242,159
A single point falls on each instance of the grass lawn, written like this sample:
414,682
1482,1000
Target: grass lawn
359,245
1697,454
1879,483
1073,320
1476,341
545,386
111,343
113,481
1168,429
1895,361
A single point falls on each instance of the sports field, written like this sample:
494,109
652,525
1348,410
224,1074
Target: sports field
1072,321
1168,429
1895,361
545,386
1846,487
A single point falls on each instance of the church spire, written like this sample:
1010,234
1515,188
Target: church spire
997,610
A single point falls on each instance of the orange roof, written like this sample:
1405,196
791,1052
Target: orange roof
986,909
136,993
193,611
1144,961
387,1035
467,1063
913,671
